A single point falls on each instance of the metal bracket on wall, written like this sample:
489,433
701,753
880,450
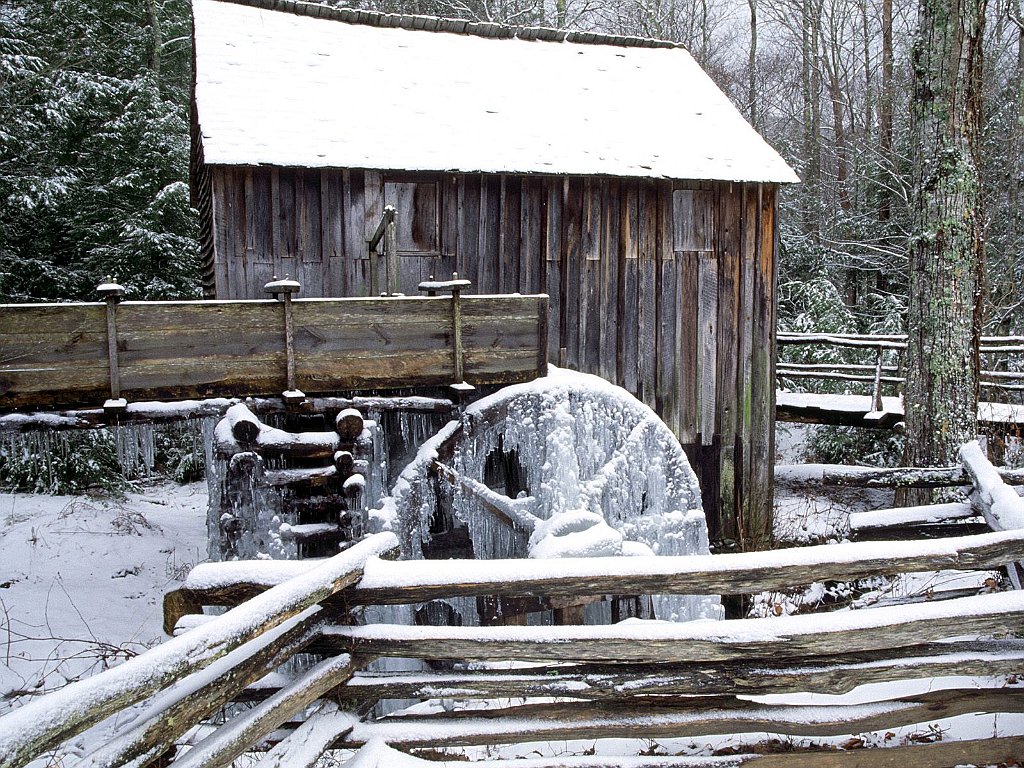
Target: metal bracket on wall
387,229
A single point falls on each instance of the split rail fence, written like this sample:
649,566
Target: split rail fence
639,680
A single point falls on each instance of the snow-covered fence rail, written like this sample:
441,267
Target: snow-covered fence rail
58,356
46,722
909,477
385,582
692,670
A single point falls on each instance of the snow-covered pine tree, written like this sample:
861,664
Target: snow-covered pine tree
94,149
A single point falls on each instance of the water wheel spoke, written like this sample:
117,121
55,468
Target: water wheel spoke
517,512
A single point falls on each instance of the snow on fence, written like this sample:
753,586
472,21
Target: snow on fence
635,679
116,351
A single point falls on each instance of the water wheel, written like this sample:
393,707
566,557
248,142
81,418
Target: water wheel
564,466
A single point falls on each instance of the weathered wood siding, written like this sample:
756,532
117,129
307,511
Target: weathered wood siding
55,355
666,288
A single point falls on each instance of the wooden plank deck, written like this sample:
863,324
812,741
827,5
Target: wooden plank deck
55,355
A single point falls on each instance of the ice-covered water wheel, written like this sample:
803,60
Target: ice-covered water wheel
565,466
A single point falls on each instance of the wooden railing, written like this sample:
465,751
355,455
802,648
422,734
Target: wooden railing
862,389
994,350
639,680
81,355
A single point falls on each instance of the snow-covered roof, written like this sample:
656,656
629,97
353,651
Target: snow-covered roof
285,88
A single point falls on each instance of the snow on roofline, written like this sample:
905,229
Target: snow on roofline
457,26
317,87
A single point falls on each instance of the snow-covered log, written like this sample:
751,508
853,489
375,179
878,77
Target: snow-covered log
386,582
902,477
693,718
929,521
986,751
241,732
155,411
170,714
349,424
241,430
706,641
1002,507
42,724
244,426
307,744
834,675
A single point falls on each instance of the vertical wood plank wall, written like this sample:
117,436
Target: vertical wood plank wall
677,308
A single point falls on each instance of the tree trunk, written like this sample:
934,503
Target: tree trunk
752,64
946,250
156,38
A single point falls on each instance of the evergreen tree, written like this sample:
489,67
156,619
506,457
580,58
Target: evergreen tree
94,150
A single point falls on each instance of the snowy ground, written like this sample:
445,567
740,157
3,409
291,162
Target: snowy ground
82,579
81,582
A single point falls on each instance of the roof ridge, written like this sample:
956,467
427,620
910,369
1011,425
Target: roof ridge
455,26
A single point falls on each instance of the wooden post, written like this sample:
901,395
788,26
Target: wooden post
391,252
455,285
388,230
876,396
111,293
457,328
283,290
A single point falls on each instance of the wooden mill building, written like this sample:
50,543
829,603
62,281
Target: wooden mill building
609,173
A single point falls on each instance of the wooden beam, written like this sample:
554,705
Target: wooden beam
792,636
902,477
1000,750
181,350
307,743
678,719
246,729
838,675
171,714
420,581
182,410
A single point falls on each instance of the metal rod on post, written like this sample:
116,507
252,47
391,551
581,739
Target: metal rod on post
391,253
111,293
283,290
